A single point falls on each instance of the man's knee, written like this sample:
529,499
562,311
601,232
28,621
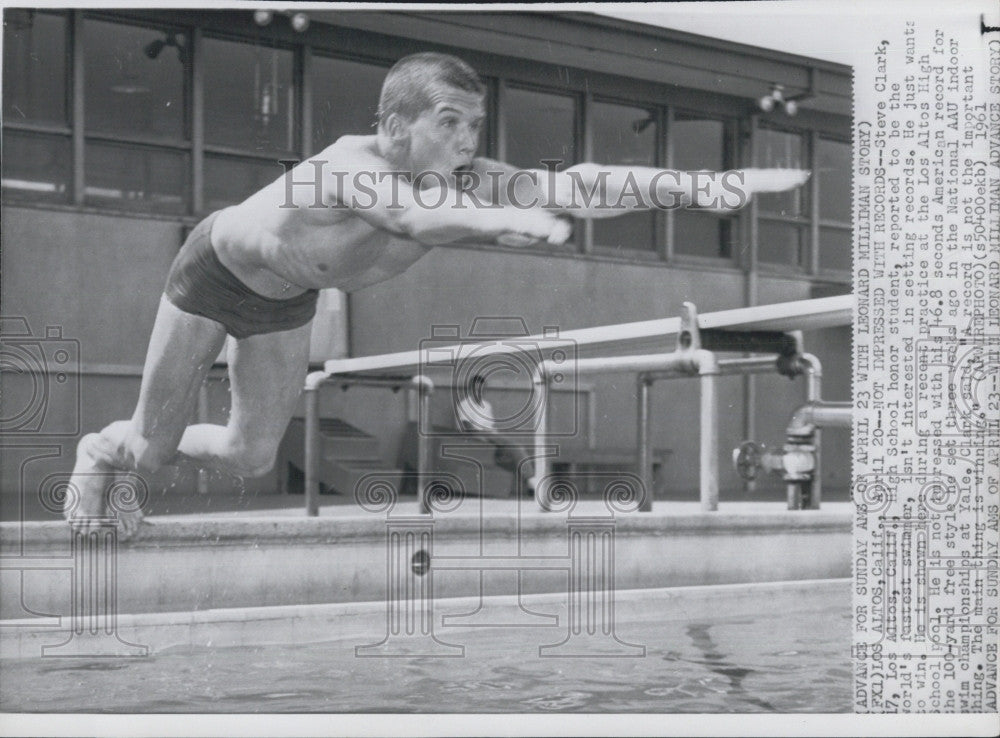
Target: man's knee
253,460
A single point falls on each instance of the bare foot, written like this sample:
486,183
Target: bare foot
129,524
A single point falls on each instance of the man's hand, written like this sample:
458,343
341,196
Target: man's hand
535,226
773,180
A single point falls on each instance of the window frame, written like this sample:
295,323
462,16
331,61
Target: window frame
804,223
657,249
500,74
731,156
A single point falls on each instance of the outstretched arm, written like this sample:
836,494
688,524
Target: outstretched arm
605,191
433,214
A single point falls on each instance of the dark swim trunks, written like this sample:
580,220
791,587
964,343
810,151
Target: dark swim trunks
201,285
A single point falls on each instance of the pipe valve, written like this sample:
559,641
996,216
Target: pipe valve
795,462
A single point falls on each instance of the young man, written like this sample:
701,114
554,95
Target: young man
253,270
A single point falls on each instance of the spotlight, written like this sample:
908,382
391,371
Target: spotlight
777,97
262,17
300,22
153,48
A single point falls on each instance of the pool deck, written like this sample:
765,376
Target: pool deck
182,566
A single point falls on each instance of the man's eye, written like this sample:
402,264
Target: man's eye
449,123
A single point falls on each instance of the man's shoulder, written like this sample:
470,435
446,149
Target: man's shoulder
349,148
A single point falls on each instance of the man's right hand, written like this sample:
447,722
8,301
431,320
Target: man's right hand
536,226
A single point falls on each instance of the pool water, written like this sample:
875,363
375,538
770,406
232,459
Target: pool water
796,662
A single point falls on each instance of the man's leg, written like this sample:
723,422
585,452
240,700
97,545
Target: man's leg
181,350
267,373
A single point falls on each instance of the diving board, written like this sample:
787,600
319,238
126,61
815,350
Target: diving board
801,315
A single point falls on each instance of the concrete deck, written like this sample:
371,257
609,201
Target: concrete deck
224,560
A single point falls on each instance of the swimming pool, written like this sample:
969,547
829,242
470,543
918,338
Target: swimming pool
755,654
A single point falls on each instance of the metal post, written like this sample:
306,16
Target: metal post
709,460
541,383
312,450
424,388
814,393
643,442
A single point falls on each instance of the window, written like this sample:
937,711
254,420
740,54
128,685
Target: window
134,80
230,179
37,157
344,99
249,97
34,67
834,166
624,135
784,217
137,177
250,121
701,142
539,126
137,154
36,166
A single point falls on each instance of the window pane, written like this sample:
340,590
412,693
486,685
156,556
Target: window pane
624,135
249,100
136,178
36,166
134,79
835,248
539,126
781,243
835,168
783,150
34,66
699,143
701,234
344,99
229,180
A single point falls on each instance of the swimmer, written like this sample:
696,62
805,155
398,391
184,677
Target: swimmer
253,271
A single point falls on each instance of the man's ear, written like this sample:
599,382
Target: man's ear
397,128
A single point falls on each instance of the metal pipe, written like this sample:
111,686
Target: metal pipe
425,388
682,361
763,364
311,396
814,415
540,381
644,442
814,393
203,488
709,452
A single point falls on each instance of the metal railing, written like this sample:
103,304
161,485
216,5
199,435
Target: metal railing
774,331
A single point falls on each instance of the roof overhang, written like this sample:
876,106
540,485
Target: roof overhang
597,43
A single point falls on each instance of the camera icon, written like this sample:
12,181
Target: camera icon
41,380
500,350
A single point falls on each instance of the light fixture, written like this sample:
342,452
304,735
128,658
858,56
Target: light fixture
775,98
299,21
154,48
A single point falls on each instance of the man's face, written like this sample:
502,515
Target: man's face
445,137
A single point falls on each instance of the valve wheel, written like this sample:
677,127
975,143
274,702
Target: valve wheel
746,460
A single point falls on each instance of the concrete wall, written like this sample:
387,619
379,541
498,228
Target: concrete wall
197,564
99,277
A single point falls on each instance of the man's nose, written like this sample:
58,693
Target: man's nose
470,141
